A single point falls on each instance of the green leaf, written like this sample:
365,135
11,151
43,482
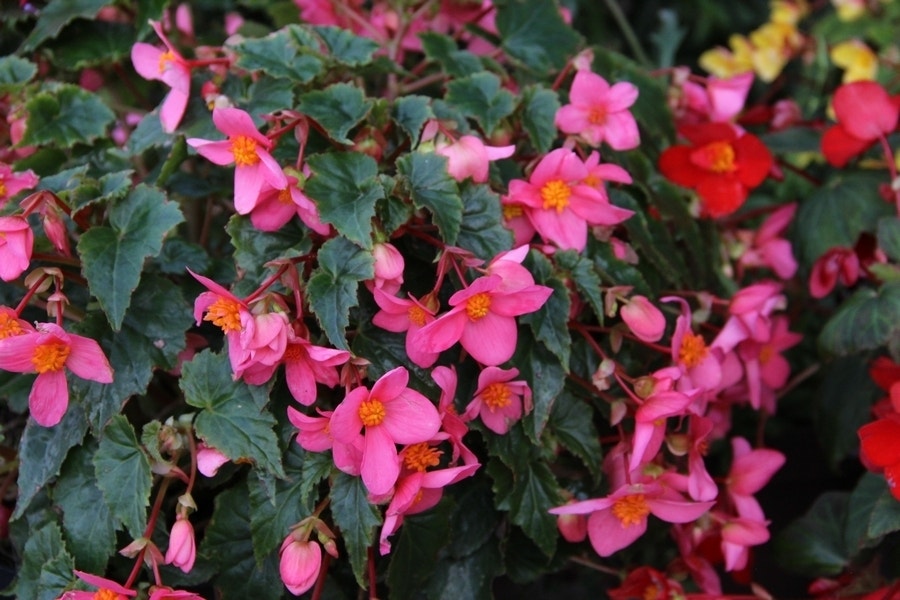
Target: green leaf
814,544
443,50
46,565
885,516
42,451
481,231
535,492
533,32
15,72
89,43
228,545
470,577
113,257
572,422
332,288
539,111
582,272
123,475
278,55
110,187
550,322
56,15
474,519
65,115
269,95
345,188
889,237
481,97
338,109
346,47
867,320
837,212
651,239
178,254
254,248
545,373
431,187
863,499
356,519
415,551
612,270
384,351
148,134
233,419
411,113
87,522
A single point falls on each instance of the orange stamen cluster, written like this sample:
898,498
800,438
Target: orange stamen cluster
510,211
418,457
164,59
105,594
50,356
244,150
631,509
497,395
597,115
9,326
416,315
556,195
478,305
284,196
225,314
693,350
717,157
371,412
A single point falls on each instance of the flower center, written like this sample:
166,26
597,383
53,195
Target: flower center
556,195
417,315
510,211
693,350
597,115
50,356
2,189
477,306
651,593
371,412
717,157
497,395
284,196
9,326
419,457
244,150
105,594
631,509
294,352
224,313
765,354
593,181
164,59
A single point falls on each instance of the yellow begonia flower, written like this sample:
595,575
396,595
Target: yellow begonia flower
849,10
773,44
787,12
725,63
858,60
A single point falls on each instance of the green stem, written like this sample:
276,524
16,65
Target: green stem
628,32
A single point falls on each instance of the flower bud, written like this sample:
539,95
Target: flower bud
300,564
643,318
182,550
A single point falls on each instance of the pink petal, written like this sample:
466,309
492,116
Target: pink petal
677,511
443,332
49,398
16,352
608,535
583,507
234,122
145,59
566,229
491,340
216,152
411,418
248,182
621,131
172,110
751,472
380,466
271,170
345,422
100,582
301,381
589,89
521,302
390,385
663,404
87,360
865,110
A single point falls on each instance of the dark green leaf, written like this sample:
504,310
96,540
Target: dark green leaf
863,499
411,113
332,289
533,32
470,577
545,374
46,565
582,272
123,475
338,109
474,519
652,239
385,350
540,106
56,15
15,72
431,187
89,43
885,516
63,181
87,522
316,467
346,189
150,440
443,50
482,231
814,544
868,320
254,248
278,55
233,419
178,255
108,188
148,134
356,519
65,115
536,492
889,237
148,10
572,422
113,257
612,270
481,97
346,47
415,551
269,95
550,322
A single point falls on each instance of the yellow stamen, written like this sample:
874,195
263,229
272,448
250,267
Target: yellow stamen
717,157
693,350
50,356
224,313
651,593
244,150
556,195
105,594
510,211
164,59
597,115
419,457
2,189
631,509
416,315
371,412
478,305
284,196
9,326
497,395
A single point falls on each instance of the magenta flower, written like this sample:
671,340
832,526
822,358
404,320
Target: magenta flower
700,365
47,351
738,534
619,519
452,425
469,156
560,200
483,320
167,593
766,369
644,320
750,472
182,549
314,433
13,183
106,589
209,460
498,400
405,315
16,244
299,565
650,423
390,414
599,112
249,150
276,207
169,67
766,247
306,364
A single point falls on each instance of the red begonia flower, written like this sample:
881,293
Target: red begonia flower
865,112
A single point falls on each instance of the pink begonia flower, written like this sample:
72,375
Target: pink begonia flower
169,67
837,264
599,173
388,268
182,548
209,460
452,424
508,265
314,433
573,528
765,368
249,150
47,351
599,112
499,400
750,472
390,414
561,201
299,564
12,183
277,206
16,244
719,101
107,589
620,518
306,364
767,249
750,309
167,593
700,365
700,484
643,318
650,423
11,324
469,156
515,219
405,315
738,534
483,320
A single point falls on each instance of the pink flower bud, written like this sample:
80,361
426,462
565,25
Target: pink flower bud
209,460
388,267
300,564
645,320
16,242
182,550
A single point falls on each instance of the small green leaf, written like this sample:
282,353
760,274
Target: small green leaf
545,374
582,272
15,72
652,239
278,55
346,47
356,519
572,422
443,50
123,475
233,419
46,565
885,515
332,288
415,551
889,237
867,320
254,248
481,97
534,494
481,231
540,106
148,134
345,188
469,576
338,109
65,115
411,113
113,257
89,43
431,187
550,322
814,544
268,95
534,33
56,15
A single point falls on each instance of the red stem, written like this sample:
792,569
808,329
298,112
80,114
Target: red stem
373,579
29,294
148,531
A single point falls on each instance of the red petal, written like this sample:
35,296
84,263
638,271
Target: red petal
865,110
705,133
839,146
721,195
880,442
754,160
675,163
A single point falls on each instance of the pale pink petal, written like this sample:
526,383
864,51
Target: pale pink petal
390,385
583,507
178,77
87,360
216,152
271,214
521,302
588,88
677,511
643,318
749,473
443,332
345,422
234,122
621,131
49,398
608,535
172,110
566,229
411,418
647,440
100,582
145,59
621,96
380,464
491,340
574,119
300,381
727,96
779,256
248,182
271,170
16,352
663,404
